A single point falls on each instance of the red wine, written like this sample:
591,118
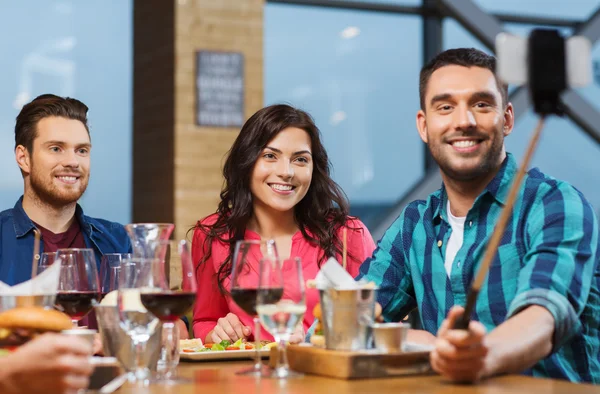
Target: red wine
246,298
168,306
76,303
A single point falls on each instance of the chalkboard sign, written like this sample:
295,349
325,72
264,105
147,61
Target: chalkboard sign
220,89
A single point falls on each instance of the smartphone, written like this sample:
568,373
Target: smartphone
512,64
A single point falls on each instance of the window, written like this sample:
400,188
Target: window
394,2
580,9
77,49
592,92
356,73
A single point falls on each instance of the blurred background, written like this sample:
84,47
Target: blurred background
144,69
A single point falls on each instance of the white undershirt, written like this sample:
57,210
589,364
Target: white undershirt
456,238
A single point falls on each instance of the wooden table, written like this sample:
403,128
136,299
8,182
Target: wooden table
219,377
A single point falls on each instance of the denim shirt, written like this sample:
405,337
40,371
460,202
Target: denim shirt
17,238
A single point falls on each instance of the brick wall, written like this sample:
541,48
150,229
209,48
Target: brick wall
224,25
177,165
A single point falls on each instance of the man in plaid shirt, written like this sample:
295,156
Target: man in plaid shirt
538,312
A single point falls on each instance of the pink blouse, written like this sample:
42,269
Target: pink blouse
211,304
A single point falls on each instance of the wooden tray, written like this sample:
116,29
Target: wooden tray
356,365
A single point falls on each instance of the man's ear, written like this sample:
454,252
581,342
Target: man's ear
422,125
23,159
509,119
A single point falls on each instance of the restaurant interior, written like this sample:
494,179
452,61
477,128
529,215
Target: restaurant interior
170,83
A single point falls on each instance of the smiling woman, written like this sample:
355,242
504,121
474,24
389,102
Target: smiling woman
277,186
283,172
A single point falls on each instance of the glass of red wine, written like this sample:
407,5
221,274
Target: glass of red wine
281,306
168,305
110,267
78,285
244,286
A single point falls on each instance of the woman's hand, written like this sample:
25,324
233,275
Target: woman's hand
228,328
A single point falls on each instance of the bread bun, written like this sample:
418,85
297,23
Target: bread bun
35,318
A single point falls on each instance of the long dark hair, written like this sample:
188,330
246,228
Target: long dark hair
319,215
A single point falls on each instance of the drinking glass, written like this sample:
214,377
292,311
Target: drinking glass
244,286
281,314
78,285
168,305
110,267
134,319
46,260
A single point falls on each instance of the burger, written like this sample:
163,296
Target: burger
19,325
317,338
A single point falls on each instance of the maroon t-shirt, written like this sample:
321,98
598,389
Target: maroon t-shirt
72,238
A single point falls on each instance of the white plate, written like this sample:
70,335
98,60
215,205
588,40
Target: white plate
222,355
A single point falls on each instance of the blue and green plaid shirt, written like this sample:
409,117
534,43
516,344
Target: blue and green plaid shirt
548,256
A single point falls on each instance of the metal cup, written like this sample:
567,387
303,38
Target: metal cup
347,317
390,337
116,342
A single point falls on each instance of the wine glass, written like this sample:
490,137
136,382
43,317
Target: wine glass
139,324
168,305
78,285
244,286
46,260
281,305
110,267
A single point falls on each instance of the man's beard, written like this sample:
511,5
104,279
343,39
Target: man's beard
47,192
488,161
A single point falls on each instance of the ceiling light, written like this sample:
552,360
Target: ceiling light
350,32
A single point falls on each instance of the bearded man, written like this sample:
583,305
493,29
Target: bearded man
538,310
52,149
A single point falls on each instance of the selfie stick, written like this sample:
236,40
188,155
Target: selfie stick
547,79
490,252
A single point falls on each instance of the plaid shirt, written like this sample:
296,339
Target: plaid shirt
548,256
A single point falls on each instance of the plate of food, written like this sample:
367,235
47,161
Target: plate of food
194,349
